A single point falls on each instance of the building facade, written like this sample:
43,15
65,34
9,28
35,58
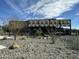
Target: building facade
46,25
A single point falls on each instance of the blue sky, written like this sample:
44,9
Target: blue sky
31,9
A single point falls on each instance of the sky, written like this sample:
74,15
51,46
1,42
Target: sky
36,9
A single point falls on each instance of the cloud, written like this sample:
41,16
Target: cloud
12,5
18,7
51,8
47,8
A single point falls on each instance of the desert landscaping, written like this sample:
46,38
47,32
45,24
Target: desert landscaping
39,29
41,48
39,39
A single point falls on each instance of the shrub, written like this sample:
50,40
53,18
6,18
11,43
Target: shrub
4,38
53,39
23,38
39,32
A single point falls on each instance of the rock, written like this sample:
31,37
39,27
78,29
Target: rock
14,45
34,49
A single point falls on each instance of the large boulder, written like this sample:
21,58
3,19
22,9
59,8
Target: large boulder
14,46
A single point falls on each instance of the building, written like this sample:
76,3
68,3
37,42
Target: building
46,25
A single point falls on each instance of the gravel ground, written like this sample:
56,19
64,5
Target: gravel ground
33,48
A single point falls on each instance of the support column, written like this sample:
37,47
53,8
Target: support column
70,27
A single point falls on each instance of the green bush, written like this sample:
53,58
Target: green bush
39,32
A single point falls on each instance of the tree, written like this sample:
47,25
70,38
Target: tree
16,26
6,29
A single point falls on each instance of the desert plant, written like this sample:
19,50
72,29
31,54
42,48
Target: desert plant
4,38
23,38
39,32
53,38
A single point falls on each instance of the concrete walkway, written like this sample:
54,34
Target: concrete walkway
2,47
8,37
